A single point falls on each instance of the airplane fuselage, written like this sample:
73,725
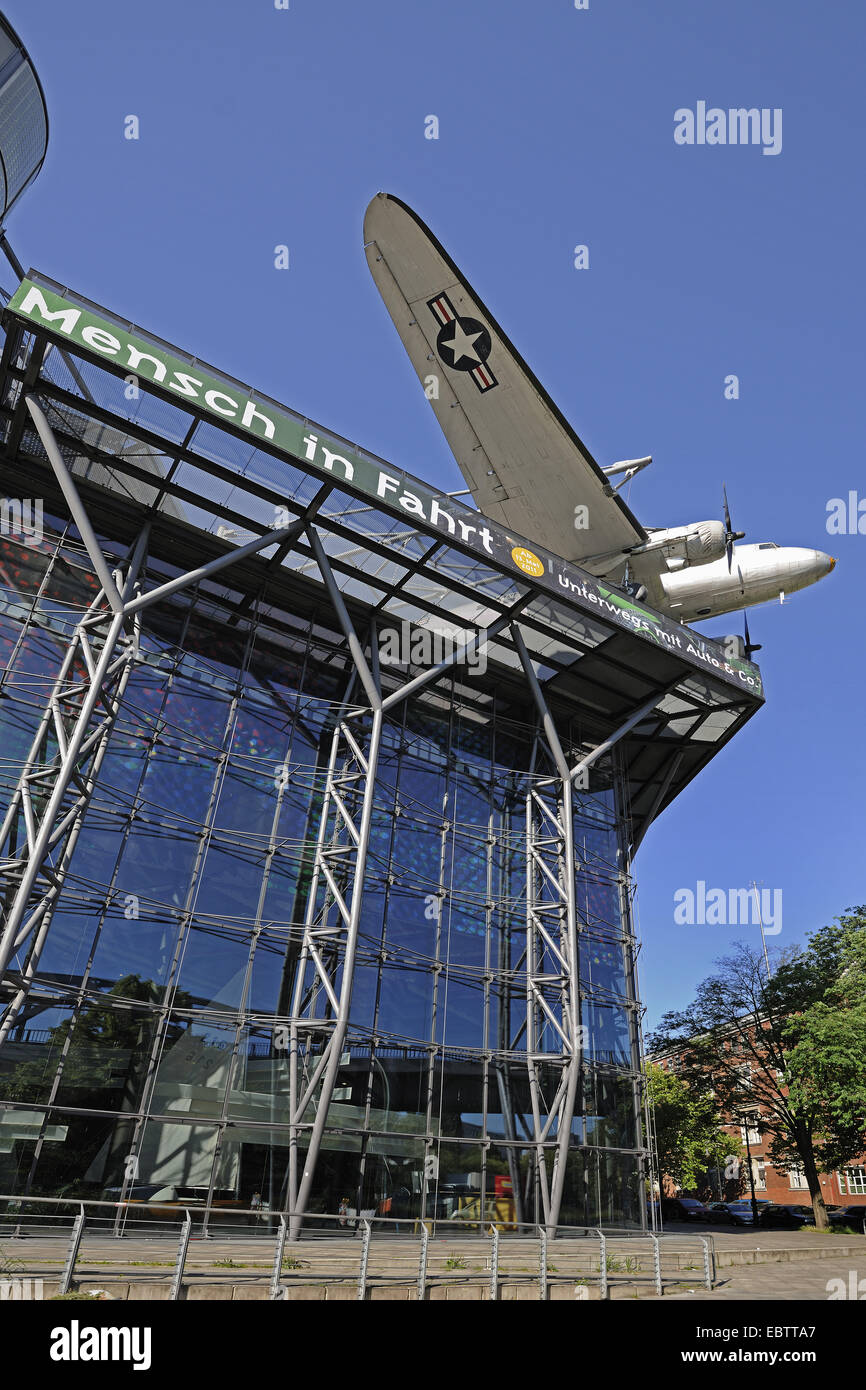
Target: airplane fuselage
757,574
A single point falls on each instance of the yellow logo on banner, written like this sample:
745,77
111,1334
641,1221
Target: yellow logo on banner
526,561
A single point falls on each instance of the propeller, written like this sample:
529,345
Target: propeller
750,646
730,536
742,646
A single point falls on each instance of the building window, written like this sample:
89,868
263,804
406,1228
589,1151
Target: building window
853,1181
759,1170
753,1135
797,1179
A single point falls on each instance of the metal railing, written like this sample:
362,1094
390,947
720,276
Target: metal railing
362,1250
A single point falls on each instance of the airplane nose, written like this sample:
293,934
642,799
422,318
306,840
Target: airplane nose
825,563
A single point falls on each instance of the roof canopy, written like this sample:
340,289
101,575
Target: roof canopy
150,432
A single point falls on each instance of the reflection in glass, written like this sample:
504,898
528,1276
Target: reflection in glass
163,996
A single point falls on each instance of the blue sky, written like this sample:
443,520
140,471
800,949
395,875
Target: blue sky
261,127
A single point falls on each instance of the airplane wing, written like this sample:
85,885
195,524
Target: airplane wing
522,461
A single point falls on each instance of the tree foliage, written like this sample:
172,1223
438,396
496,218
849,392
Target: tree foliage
689,1140
791,1046
825,1059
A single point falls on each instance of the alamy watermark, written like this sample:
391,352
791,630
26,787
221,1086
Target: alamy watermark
713,125
846,516
410,644
855,1288
720,907
21,517
21,1289
77,1343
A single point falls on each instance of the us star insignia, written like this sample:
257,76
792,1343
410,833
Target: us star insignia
462,343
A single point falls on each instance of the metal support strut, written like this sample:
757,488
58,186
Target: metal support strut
72,1252
326,966
553,1026
45,814
554,1032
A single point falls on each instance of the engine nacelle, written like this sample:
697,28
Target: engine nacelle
696,544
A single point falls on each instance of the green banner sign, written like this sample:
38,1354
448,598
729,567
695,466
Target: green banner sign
152,363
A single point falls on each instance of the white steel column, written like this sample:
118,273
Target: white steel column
326,966
552,960
552,965
325,970
76,725
66,752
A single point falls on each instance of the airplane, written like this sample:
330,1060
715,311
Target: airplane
525,466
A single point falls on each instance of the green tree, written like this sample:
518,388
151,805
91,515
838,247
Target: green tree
826,1069
689,1139
788,1047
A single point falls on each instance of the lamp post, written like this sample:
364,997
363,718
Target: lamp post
744,1120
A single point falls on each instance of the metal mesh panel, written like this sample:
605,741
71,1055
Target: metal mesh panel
23,130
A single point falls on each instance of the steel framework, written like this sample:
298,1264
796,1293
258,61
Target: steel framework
325,973
326,968
553,1003
46,812
56,785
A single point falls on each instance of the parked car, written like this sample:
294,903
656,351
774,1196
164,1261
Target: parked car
788,1217
685,1209
853,1216
737,1213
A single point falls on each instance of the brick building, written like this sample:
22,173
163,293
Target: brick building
842,1188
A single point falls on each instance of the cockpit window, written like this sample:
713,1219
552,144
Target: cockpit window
768,545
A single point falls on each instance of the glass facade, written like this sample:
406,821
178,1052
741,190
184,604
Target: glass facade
153,1044
266,940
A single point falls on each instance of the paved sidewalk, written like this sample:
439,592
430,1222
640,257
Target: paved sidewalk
803,1280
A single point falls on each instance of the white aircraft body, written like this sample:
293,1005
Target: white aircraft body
522,461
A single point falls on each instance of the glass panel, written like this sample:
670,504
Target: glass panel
193,872
455,1190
